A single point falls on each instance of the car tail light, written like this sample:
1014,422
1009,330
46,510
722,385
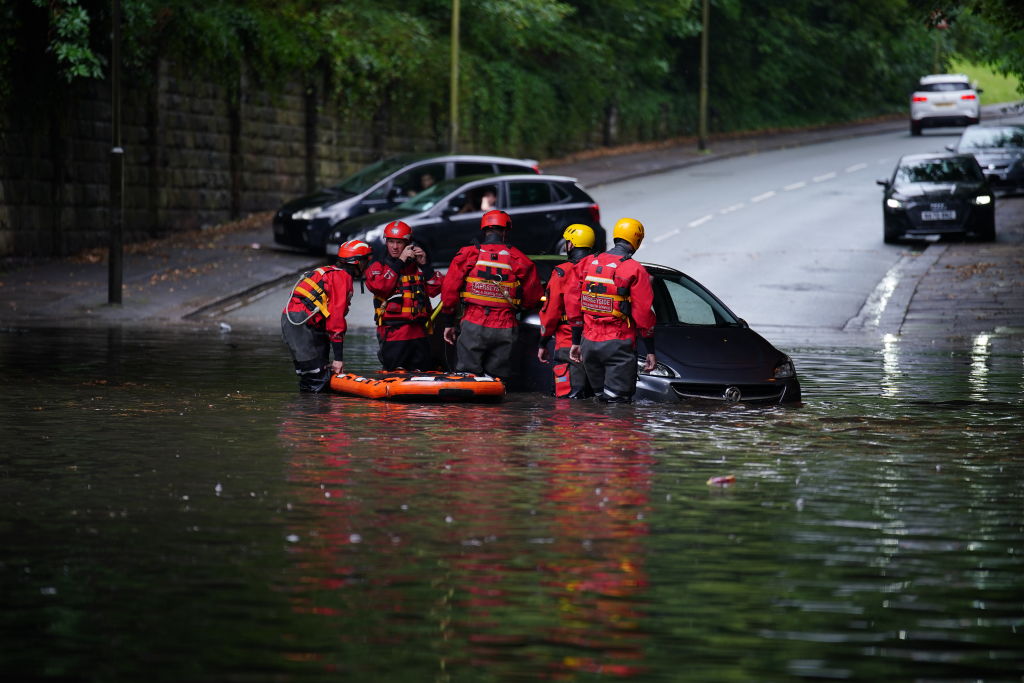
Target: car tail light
968,96
920,98
595,214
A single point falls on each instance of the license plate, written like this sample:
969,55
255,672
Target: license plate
943,104
938,215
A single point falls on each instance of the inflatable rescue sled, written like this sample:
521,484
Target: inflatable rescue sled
420,386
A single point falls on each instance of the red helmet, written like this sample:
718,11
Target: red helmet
354,249
495,219
397,230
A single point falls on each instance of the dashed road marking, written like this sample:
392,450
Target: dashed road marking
734,207
763,196
795,186
700,221
855,167
823,178
670,233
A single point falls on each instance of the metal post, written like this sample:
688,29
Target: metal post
116,265
453,114
702,130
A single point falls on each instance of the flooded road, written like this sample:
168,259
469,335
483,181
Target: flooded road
173,510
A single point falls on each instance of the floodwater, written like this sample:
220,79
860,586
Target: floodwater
173,510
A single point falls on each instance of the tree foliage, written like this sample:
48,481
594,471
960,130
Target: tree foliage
538,76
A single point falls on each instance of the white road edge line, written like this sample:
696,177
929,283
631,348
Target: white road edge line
699,221
823,178
795,186
734,207
763,196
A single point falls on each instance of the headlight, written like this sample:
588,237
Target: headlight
983,199
785,370
660,370
893,203
306,214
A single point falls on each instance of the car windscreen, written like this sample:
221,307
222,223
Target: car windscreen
431,196
369,176
987,138
952,170
680,300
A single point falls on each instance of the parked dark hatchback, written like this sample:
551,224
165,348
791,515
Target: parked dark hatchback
307,221
704,351
1000,153
446,217
937,194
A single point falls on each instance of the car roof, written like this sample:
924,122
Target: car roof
466,179
944,78
409,158
651,267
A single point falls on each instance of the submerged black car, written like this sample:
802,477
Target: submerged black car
704,351
1000,153
447,217
307,221
937,194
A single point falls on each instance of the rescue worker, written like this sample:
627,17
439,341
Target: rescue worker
402,284
313,321
494,280
570,378
616,299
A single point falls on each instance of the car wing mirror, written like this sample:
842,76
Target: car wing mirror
951,148
743,324
394,193
884,182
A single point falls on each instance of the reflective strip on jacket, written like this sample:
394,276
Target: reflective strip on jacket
488,301
616,298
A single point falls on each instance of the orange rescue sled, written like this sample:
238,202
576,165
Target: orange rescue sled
420,386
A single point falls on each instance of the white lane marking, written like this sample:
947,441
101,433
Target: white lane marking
734,207
763,196
670,233
855,167
795,186
699,221
823,178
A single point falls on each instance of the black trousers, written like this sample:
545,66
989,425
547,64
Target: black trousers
311,354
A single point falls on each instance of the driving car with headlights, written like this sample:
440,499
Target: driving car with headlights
937,194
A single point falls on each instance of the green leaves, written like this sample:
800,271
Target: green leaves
69,39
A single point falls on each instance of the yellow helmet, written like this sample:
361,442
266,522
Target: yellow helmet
629,229
579,235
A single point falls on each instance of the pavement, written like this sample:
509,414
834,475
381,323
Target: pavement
187,281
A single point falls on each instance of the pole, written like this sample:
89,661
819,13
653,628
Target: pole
702,130
453,114
116,265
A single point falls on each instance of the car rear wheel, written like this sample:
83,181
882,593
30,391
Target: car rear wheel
915,128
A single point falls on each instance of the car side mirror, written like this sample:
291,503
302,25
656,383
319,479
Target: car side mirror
394,193
884,182
951,148
743,323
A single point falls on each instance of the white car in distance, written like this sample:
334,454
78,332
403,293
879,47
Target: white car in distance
944,100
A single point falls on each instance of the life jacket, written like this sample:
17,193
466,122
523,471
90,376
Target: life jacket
492,281
603,293
409,302
309,292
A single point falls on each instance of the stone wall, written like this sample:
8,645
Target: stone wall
195,155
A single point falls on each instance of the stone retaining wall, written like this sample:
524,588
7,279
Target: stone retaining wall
195,155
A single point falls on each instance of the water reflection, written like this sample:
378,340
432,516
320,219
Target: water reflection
162,496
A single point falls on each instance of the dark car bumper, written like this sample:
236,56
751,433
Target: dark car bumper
909,222
673,389
311,235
